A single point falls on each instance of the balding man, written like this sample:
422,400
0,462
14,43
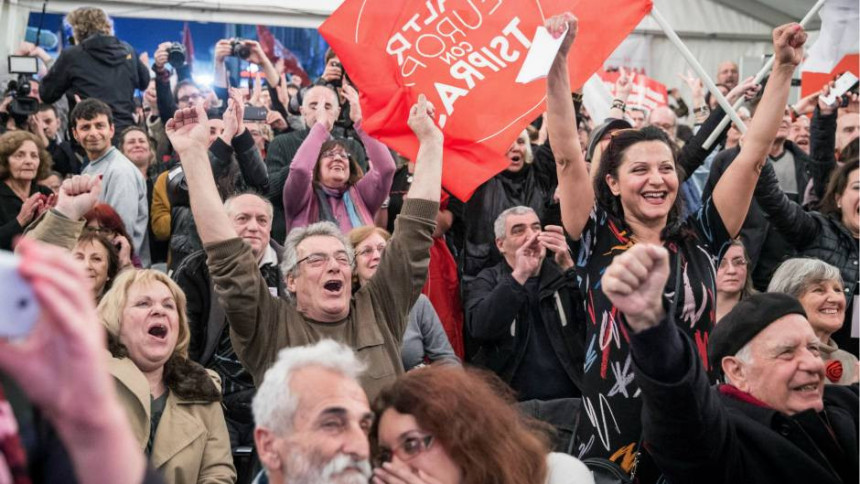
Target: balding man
774,421
284,147
251,217
727,74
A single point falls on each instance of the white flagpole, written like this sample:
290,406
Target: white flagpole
694,63
758,78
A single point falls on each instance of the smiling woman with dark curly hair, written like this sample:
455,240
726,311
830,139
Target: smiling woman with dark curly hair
23,162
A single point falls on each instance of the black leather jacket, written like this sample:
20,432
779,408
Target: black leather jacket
813,234
244,172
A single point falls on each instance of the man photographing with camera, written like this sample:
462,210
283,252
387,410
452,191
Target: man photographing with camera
99,66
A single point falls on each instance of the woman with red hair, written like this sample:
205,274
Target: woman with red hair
446,425
104,220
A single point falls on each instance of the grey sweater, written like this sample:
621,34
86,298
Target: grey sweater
425,336
124,189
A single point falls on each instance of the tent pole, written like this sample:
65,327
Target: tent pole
758,78
694,63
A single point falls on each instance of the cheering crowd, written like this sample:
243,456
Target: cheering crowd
243,285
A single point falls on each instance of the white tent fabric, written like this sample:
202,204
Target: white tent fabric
713,31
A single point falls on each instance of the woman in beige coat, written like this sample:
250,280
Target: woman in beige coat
172,402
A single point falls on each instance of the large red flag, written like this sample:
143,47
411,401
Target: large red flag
464,55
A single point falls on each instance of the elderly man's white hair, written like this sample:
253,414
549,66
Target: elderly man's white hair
275,404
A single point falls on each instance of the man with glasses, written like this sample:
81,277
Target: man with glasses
318,264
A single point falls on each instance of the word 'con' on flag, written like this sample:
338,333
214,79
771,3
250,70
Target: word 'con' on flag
464,55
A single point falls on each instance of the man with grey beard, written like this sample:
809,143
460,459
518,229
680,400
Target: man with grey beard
313,418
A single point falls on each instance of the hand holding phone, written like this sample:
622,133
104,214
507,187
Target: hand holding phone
20,309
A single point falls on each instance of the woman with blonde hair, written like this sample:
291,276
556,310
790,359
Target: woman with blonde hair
173,403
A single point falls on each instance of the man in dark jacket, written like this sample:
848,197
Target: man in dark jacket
765,246
99,65
237,166
774,422
525,312
210,344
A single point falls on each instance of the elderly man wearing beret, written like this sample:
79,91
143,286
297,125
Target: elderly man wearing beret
774,421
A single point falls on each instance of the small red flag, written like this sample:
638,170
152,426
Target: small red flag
188,43
275,50
464,56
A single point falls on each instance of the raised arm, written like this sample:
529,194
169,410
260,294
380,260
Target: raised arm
575,190
376,183
189,136
427,184
733,193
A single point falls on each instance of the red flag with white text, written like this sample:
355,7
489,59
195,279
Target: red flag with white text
464,55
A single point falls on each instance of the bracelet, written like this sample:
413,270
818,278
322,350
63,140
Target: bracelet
619,104
577,97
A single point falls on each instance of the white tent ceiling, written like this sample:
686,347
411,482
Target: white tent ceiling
714,30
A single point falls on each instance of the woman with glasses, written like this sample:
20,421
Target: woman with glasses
734,281
424,338
325,182
634,198
446,425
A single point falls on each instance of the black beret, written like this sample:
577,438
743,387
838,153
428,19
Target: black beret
608,126
747,319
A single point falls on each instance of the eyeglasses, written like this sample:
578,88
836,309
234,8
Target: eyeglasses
319,259
336,154
736,262
190,97
100,230
410,447
368,251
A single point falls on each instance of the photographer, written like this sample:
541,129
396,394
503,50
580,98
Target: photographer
185,93
99,66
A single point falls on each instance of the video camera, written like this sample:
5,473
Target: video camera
23,105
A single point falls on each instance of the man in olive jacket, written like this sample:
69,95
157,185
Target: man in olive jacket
317,265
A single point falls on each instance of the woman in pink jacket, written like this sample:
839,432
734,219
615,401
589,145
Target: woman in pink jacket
325,182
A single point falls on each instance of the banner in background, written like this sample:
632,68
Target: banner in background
464,55
646,93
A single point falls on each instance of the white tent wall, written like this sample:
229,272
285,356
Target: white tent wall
712,31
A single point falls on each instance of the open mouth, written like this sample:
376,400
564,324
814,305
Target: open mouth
515,158
158,330
810,387
333,286
829,311
655,197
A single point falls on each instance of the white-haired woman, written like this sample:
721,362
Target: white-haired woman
819,288
173,403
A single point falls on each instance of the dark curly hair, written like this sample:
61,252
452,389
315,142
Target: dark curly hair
11,142
611,160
